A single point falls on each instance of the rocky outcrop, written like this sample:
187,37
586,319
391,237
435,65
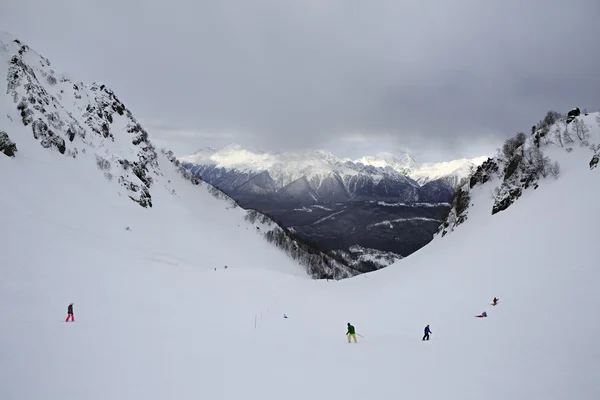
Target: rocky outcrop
594,161
596,158
574,113
37,94
519,165
458,212
7,146
523,170
484,172
46,136
507,197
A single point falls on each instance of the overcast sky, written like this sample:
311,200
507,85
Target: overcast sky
441,79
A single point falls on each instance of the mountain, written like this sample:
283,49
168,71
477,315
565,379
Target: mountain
385,176
525,162
338,203
451,171
150,326
74,157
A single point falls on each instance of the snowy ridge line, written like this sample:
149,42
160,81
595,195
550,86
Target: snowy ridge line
288,166
49,116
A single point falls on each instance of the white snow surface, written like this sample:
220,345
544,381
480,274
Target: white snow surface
286,167
154,320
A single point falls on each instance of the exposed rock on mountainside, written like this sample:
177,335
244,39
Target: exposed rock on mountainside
89,121
360,257
521,164
8,147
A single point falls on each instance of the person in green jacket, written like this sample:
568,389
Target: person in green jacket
351,333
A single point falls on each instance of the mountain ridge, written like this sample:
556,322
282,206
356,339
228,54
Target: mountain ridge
236,157
291,186
49,119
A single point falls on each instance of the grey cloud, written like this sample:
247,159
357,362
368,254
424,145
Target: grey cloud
441,78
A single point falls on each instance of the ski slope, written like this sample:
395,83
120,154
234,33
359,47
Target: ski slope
158,316
155,321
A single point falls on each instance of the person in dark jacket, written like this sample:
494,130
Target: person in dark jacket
351,333
70,314
427,332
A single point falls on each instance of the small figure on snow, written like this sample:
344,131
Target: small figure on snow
482,315
285,316
427,332
351,333
70,314
495,301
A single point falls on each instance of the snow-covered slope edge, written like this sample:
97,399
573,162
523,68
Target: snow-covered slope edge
87,127
539,256
318,264
524,162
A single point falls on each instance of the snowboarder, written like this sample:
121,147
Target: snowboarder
495,301
351,333
70,314
427,332
482,315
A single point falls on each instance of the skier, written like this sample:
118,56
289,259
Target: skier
482,315
351,333
495,301
427,332
70,313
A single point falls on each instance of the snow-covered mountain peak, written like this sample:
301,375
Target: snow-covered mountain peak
459,169
398,161
290,165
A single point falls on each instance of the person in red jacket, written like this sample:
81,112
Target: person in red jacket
495,301
70,314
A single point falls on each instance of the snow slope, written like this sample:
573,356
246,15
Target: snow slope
156,321
82,158
151,325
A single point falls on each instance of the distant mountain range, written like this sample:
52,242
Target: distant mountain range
387,202
319,177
